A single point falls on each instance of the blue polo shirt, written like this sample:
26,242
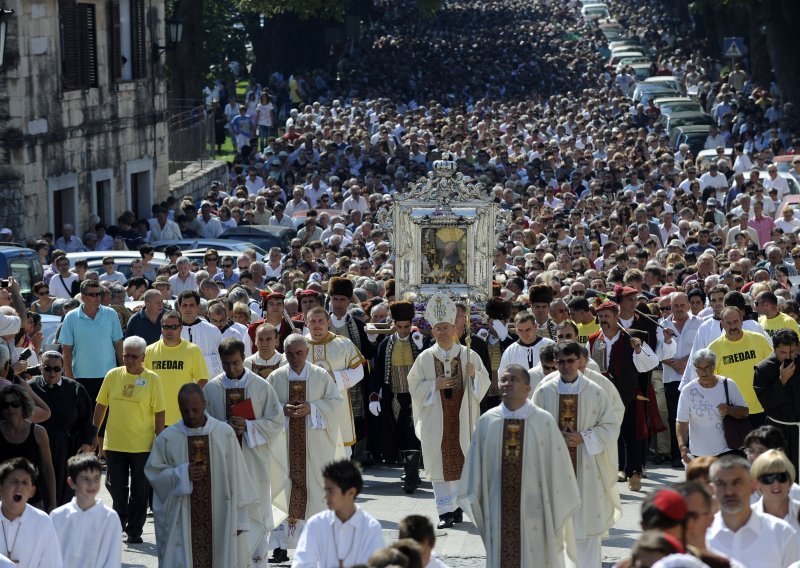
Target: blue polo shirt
140,325
92,341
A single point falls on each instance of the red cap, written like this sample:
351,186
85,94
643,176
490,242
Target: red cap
671,504
666,290
674,542
622,291
306,294
272,295
607,305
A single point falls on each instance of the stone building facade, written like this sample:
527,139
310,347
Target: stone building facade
82,113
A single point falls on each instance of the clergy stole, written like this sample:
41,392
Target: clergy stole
298,497
263,371
200,503
233,397
511,493
568,418
452,456
319,357
495,355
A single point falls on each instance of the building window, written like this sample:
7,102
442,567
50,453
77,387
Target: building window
78,45
128,50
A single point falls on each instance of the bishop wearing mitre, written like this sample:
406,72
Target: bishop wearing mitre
447,383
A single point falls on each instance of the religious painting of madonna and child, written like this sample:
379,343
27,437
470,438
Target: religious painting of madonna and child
444,255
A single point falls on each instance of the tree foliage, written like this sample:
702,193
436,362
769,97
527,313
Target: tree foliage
322,9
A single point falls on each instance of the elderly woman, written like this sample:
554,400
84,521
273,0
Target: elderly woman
69,427
19,437
775,475
702,405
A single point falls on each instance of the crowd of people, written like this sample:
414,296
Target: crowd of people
644,311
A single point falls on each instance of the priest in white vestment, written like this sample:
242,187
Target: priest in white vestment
590,428
311,405
524,351
262,439
518,485
267,358
446,383
174,470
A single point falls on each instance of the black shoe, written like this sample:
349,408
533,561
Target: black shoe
678,464
134,540
410,477
278,555
458,516
445,521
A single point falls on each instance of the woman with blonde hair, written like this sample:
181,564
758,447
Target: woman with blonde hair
775,475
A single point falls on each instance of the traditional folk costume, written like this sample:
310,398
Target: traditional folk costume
583,407
195,521
263,367
518,488
312,442
207,337
90,537
543,294
263,441
444,422
338,356
500,312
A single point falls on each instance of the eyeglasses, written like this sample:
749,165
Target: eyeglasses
770,478
10,403
108,263
296,246
43,292
171,326
665,308
49,369
92,294
226,266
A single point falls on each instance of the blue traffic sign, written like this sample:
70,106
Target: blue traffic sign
733,47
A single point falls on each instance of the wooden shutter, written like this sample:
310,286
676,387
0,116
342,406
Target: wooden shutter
70,44
88,45
114,41
138,40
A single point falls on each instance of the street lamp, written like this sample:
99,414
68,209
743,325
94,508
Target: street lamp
174,36
5,15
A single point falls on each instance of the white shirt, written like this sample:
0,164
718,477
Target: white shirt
763,541
179,285
115,276
643,361
697,405
684,341
207,337
90,537
794,509
31,540
212,228
63,289
525,355
326,540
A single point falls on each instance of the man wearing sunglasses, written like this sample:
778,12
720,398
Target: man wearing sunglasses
69,428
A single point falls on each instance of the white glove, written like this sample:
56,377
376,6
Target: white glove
375,407
417,337
483,333
501,329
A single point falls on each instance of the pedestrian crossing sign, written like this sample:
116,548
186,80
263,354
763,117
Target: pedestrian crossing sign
733,47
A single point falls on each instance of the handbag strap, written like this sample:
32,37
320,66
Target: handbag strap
725,386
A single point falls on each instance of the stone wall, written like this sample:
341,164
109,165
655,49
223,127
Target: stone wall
195,181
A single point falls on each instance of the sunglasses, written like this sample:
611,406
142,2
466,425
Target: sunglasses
49,369
92,294
10,403
770,478
107,263
172,326
44,292
226,266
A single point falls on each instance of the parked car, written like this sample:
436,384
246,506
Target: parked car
646,91
595,12
641,71
626,56
706,156
671,121
217,244
23,264
666,80
265,236
200,254
670,105
694,136
784,162
794,187
122,258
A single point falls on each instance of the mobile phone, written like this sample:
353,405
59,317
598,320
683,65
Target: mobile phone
4,283
25,355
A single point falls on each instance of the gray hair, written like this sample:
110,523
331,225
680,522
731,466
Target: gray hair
151,295
294,338
135,342
726,463
361,294
183,260
371,286
704,355
5,356
239,295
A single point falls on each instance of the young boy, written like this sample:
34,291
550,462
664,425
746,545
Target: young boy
266,359
28,538
89,531
345,534
420,528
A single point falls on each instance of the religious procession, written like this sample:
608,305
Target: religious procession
514,285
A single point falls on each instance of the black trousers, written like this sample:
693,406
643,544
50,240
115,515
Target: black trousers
672,394
92,387
630,449
129,488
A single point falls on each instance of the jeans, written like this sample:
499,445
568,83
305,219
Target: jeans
129,488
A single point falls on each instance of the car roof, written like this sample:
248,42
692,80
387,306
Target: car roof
250,229
674,100
694,128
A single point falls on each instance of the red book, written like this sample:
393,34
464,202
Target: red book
243,409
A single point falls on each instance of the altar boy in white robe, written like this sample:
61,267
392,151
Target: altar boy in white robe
261,434
88,530
28,537
446,383
590,427
518,484
203,494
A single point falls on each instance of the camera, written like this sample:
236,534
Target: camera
4,282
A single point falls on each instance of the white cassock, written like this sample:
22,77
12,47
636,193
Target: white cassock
549,494
326,540
322,438
235,500
238,331
426,405
90,537
710,330
264,443
30,540
525,355
256,363
537,374
207,337
599,426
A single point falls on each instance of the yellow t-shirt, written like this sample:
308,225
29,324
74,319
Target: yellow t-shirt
132,401
781,321
585,330
736,360
176,366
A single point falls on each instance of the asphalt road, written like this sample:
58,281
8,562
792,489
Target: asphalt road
460,547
